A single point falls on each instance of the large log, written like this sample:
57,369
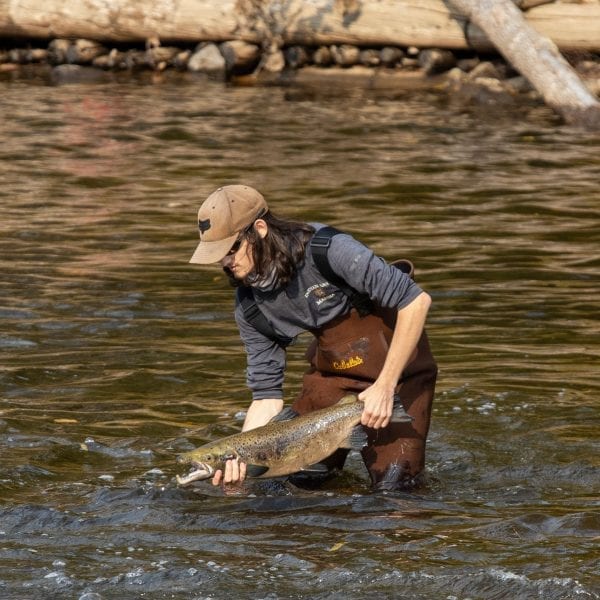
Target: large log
536,57
423,23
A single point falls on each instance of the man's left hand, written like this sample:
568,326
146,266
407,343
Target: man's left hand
378,407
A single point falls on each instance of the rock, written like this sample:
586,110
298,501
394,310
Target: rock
17,56
240,57
485,70
180,60
37,55
57,51
109,61
369,58
25,56
434,61
322,57
208,60
83,52
160,55
391,56
132,60
519,84
467,64
345,55
455,77
410,63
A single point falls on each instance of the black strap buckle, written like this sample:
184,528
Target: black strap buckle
320,241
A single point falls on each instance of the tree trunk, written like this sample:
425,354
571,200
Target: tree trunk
423,23
536,57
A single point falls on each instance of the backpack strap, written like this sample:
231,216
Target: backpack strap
319,245
256,317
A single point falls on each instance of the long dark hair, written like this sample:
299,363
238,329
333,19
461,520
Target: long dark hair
281,250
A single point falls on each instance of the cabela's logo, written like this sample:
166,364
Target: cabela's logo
348,363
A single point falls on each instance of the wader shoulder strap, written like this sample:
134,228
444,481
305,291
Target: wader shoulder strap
319,245
256,317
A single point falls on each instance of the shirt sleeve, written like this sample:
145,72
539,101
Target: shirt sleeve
368,273
265,361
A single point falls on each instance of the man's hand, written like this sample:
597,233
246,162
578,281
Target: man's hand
259,413
235,472
379,402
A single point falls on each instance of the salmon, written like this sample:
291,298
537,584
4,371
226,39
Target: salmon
282,447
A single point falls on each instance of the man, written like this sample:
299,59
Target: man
380,355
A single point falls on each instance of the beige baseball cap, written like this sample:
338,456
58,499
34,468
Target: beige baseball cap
221,219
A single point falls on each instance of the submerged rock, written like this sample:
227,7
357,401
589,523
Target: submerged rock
77,74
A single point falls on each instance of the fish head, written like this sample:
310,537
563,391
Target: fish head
204,462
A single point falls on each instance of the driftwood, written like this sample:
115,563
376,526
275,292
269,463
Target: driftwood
536,57
422,23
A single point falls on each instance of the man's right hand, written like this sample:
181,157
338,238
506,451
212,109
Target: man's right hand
235,472
260,412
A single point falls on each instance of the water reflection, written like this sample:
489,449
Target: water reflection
117,354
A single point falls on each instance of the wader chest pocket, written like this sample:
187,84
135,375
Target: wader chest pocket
360,356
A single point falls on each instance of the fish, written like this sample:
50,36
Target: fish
288,443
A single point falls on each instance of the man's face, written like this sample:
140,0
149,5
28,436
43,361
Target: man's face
239,261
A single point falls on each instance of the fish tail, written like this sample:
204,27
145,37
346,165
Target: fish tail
399,414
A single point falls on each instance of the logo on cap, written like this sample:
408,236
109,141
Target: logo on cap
204,225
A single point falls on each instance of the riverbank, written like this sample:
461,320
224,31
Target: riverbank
468,75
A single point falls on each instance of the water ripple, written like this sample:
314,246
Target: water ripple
117,354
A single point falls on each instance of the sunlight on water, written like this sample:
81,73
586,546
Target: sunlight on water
117,354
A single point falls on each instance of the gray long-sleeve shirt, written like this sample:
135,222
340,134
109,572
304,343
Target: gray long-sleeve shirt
310,301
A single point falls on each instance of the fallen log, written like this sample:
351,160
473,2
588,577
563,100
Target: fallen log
422,23
535,57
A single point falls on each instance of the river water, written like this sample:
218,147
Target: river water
116,354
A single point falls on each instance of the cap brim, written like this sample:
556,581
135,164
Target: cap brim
211,252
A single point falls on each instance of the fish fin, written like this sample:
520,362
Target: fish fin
348,399
316,469
256,470
286,414
356,440
399,414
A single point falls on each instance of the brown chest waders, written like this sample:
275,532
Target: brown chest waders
347,356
